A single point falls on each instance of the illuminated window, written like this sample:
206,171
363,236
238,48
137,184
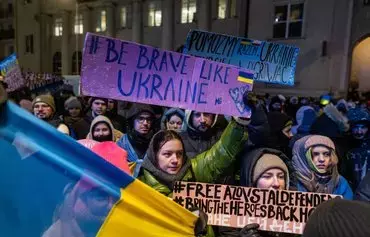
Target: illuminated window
288,21
188,9
226,9
79,25
102,22
58,27
154,14
123,17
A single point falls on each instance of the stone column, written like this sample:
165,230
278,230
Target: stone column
110,20
137,21
66,59
204,15
168,23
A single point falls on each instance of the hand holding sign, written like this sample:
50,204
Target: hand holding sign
128,71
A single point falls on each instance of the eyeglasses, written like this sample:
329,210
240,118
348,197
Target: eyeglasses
147,119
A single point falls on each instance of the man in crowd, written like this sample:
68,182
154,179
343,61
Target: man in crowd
140,131
43,107
201,133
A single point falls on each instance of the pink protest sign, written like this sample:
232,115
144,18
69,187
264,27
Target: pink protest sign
232,206
127,71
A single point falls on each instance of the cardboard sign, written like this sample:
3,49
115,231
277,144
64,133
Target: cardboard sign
11,72
272,62
233,206
123,70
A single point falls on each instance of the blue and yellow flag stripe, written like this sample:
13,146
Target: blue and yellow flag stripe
50,186
245,77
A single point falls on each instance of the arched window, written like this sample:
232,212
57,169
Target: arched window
76,63
57,63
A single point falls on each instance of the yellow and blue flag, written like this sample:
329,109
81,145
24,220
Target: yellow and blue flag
52,186
246,77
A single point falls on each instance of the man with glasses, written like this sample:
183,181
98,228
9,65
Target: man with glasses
139,133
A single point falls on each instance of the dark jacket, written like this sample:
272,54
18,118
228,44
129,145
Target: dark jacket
196,142
134,143
277,140
363,190
248,161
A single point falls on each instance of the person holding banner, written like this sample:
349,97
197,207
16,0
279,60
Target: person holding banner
316,164
166,160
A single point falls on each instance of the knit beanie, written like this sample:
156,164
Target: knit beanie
269,161
47,99
339,218
92,99
72,102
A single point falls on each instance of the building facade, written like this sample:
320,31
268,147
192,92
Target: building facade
6,28
50,33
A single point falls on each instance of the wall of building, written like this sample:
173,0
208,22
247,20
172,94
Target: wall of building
323,21
6,29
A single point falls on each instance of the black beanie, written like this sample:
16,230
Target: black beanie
339,218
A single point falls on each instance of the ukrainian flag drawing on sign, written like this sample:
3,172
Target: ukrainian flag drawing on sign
246,77
52,186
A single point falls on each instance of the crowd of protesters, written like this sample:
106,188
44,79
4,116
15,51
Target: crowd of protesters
305,144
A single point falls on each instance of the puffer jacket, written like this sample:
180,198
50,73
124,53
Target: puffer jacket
205,167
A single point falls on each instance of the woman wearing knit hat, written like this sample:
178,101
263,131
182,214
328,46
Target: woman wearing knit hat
261,168
315,162
339,218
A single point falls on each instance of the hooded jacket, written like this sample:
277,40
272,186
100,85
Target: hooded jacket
363,190
309,180
196,142
116,134
169,113
205,167
357,161
134,143
249,160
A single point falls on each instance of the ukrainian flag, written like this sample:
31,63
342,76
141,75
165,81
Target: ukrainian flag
52,186
246,77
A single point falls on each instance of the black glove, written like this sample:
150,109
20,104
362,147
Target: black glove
200,228
250,100
250,230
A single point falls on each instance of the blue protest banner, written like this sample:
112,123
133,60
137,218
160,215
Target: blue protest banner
272,62
11,72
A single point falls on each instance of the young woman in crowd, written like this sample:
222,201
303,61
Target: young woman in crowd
102,130
173,119
315,161
166,161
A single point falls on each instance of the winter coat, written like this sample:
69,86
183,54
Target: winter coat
248,162
342,188
334,183
134,143
116,134
169,113
363,190
205,167
196,142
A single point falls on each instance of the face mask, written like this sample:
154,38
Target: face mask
103,138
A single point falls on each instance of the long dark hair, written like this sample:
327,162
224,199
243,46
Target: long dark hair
161,138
